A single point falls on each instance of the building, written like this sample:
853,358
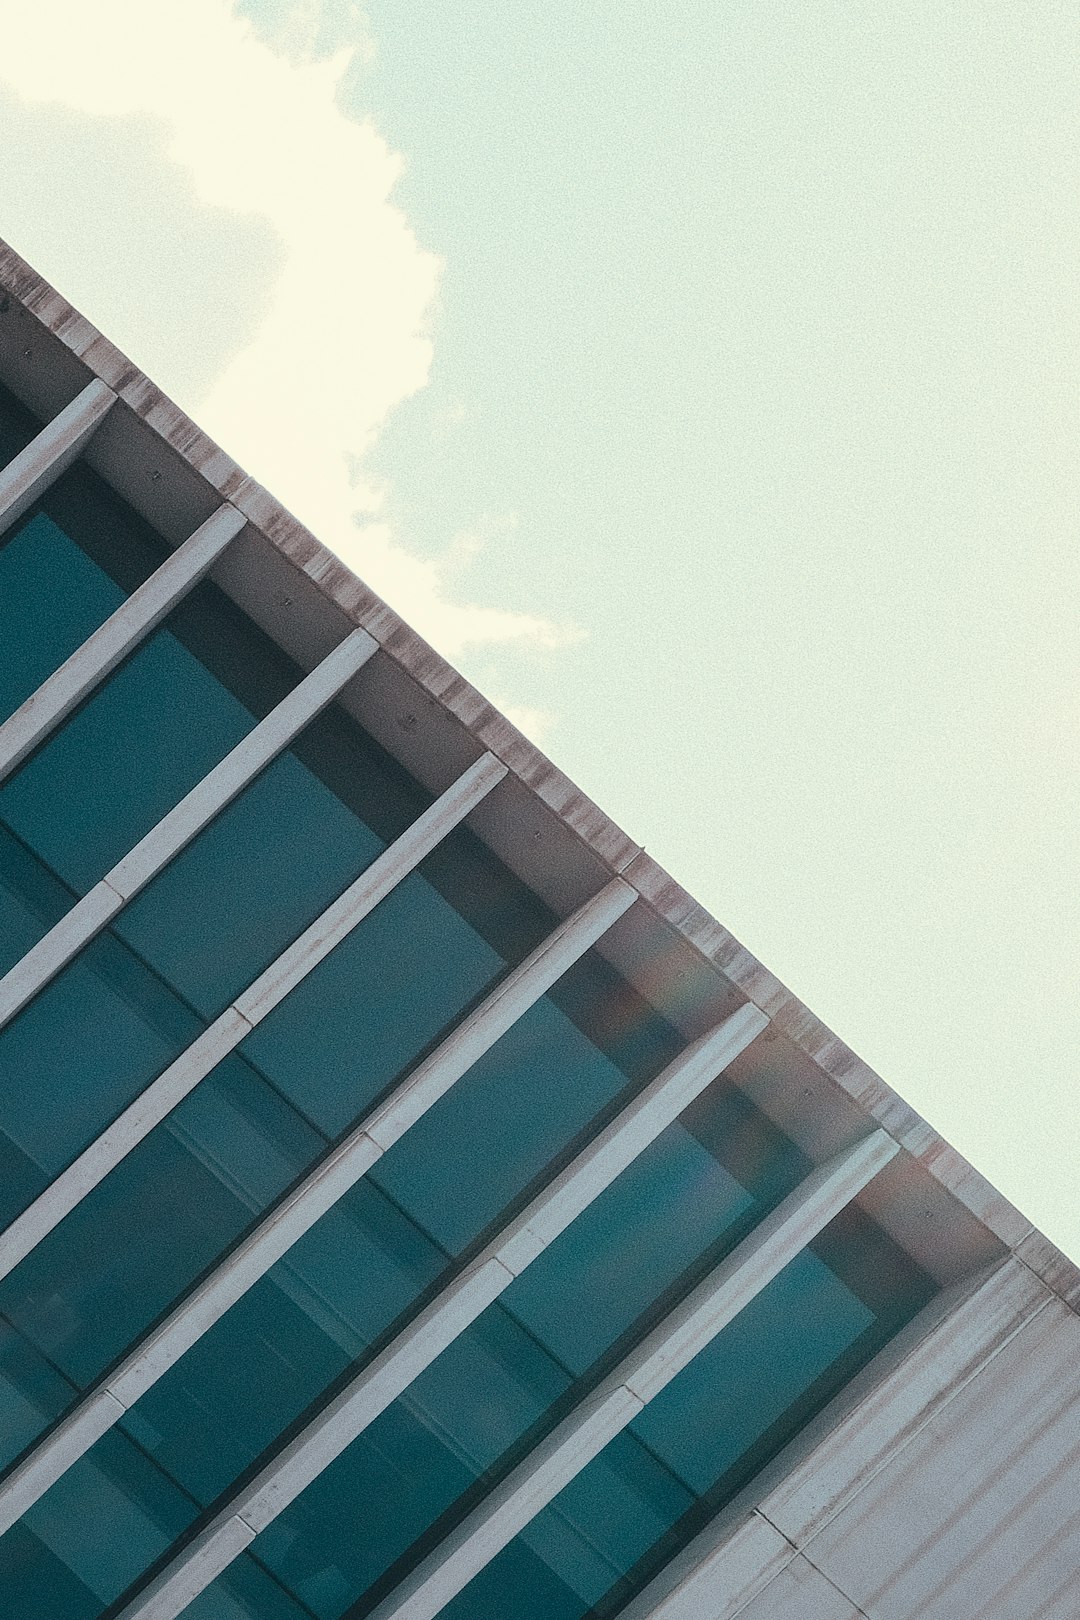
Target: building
413,1202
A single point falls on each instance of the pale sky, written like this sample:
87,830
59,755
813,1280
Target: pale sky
702,378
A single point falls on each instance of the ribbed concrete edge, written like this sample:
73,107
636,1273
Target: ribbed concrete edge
98,358
730,1560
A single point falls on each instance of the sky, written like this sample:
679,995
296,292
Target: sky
702,379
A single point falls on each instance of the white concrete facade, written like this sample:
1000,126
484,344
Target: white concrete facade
943,1484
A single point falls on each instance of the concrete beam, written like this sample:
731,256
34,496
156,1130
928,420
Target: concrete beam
43,961
162,1095
100,653
51,451
361,1401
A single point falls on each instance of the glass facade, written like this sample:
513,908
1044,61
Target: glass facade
222,1161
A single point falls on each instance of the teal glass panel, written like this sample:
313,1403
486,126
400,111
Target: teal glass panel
248,885
150,731
404,975
705,1436
31,899
90,1536
668,1218
286,1342
108,1024
573,1057
52,596
245,1592
33,1393
241,892
65,566
154,1225
365,1264
38,1584
320,1310
509,1378
77,1055
176,1203
122,760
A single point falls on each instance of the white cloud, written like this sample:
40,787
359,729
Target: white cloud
537,724
345,329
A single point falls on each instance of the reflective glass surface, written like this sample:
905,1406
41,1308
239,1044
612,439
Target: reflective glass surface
385,997
65,565
316,1313
368,1261
188,1191
199,933
704,1436
552,1335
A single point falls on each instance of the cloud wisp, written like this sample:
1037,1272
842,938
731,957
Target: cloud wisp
344,334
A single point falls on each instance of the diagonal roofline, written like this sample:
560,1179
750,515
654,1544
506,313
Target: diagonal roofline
49,352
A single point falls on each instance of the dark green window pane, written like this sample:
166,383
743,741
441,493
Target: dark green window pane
241,892
78,1054
704,1436
317,1312
245,1592
567,1060
383,995
802,1323
38,1584
91,1535
126,757
508,1378
32,1393
248,885
671,1214
148,733
52,596
31,899
285,1342
396,1479
172,1207
98,1528
364,1264
266,868
152,1226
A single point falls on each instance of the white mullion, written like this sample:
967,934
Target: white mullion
51,451
459,1304
88,916
330,1179
664,1353
111,642
162,1095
